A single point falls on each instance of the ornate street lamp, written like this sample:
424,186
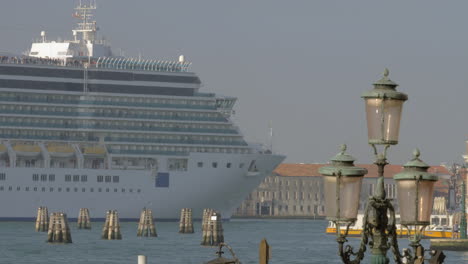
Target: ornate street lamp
383,108
415,188
342,185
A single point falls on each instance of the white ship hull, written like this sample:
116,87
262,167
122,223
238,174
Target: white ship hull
219,188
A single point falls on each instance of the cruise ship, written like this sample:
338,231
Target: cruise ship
83,128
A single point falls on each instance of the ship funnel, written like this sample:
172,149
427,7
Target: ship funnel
181,58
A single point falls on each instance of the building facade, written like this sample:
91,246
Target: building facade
296,191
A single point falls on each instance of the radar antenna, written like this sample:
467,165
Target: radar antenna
86,26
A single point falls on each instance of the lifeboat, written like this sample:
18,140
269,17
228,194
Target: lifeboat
61,151
95,151
3,149
27,150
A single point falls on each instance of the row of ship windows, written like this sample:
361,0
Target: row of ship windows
98,99
106,124
109,112
74,178
131,137
215,165
68,189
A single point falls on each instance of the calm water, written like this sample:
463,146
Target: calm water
292,241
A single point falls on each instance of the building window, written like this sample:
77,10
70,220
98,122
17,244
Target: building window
43,177
59,189
123,190
286,208
215,164
99,189
200,164
115,179
84,178
100,178
2,176
280,207
51,177
68,178
91,190
228,165
18,188
108,178
68,189
138,191
35,189
75,189
294,208
107,189
35,177
308,208
302,208
130,190
83,189
27,189
51,189
76,178
115,190
43,189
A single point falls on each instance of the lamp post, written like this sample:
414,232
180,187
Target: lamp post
383,110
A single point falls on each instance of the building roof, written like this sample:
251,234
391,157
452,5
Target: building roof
303,169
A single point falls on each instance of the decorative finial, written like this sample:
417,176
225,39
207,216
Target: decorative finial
386,72
343,148
416,153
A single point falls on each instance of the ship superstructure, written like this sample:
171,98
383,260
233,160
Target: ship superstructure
82,128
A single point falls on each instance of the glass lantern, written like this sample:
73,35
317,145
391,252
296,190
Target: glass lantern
415,188
342,187
383,109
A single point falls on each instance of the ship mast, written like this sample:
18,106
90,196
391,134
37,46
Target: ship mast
86,26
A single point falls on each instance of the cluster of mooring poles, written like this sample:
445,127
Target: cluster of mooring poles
42,220
59,231
186,224
111,229
146,226
84,221
212,228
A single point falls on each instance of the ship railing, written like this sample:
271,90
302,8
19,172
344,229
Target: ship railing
116,63
99,103
139,64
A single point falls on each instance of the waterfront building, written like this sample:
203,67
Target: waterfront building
296,191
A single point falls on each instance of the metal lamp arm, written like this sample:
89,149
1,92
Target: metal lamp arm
392,232
346,251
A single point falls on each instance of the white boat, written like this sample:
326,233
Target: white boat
82,128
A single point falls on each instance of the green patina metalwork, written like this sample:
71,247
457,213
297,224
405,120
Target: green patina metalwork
379,222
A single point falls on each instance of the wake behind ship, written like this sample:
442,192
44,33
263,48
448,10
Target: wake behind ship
80,127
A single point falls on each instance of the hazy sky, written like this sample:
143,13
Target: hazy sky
301,65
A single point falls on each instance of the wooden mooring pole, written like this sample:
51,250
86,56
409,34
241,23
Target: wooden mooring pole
111,229
186,222
84,220
59,231
42,220
213,233
146,225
